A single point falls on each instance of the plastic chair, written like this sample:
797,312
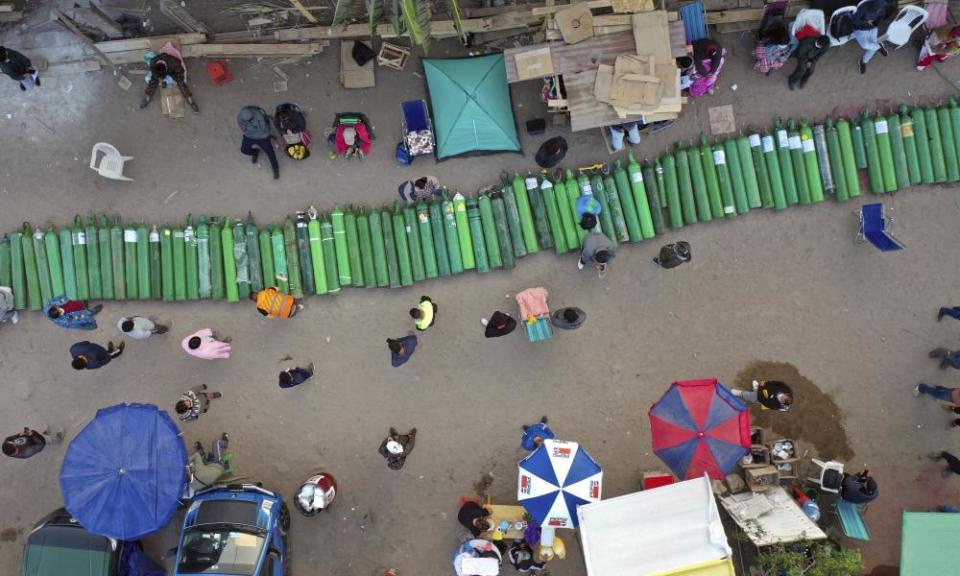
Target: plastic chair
838,15
111,163
903,26
831,476
875,228
808,16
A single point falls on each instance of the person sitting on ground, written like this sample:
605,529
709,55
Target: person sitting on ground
425,314
89,356
552,152
859,488
499,324
290,123
597,251
204,344
138,327
568,318
770,394
19,68
423,188
473,517
8,312
72,314
295,376
24,445
808,50
207,468
273,303
166,65
673,255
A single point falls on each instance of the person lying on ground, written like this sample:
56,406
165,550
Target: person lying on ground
139,328
72,314
89,356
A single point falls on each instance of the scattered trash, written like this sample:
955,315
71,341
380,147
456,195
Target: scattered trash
124,82
280,73
734,87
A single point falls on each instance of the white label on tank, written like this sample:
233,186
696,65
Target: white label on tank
129,235
636,177
81,237
795,142
719,157
768,143
546,184
301,224
154,236
587,189
409,230
881,126
782,138
423,217
178,233
807,145
188,234
531,183
754,140
728,210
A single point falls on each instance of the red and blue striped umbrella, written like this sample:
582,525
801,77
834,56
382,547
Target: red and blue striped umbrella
700,426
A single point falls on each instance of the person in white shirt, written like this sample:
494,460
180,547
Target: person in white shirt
138,327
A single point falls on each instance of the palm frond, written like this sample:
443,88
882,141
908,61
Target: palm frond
416,16
374,14
453,7
346,11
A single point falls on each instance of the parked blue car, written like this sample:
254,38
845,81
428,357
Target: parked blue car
236,529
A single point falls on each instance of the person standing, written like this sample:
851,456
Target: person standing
295,376
194,402
19,68
534,435
72,314
396,447
499,324
473,517
425,314
89,356
273,303
952,311
204,344
568,318
597,251
161,67
588,211
770,394
865,22
255,124
8,312
673,255
139,328
947,358
24,445
401,349
953,463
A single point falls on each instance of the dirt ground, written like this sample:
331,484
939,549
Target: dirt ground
783,287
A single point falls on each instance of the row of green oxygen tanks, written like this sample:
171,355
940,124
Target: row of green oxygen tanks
799,164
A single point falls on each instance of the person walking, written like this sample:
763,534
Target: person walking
425,314
194,402
255,124
947,358
770,394
673,255
865,22
19,68
72,314
89,356
941,393
534,435
569,318
8,312
24,445
273,303
597,251
166,65
953,463
204,344
401,349
499,324
396,447
952,311
140,328
295,376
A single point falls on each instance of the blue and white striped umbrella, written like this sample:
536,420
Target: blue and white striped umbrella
556,478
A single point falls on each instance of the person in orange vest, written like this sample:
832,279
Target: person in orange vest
273,303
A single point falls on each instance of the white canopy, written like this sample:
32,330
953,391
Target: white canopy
653,531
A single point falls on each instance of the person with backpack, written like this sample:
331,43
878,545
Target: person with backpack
255,125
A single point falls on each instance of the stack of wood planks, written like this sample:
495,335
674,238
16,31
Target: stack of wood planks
195,45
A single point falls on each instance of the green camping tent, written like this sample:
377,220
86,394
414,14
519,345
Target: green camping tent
472,111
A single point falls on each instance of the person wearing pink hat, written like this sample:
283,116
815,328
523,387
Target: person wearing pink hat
204,344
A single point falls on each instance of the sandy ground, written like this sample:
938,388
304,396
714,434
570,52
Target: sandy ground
789,287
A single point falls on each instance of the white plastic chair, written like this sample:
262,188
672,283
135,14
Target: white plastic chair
842,12
831,475
111,163
903,26
808,16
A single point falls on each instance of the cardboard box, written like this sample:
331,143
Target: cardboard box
351,74
761,479
635,82
761,457
575,23
791,458
758,435
534,64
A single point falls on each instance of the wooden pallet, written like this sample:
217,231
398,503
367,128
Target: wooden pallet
393,56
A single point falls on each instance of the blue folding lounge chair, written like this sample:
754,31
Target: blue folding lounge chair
875,228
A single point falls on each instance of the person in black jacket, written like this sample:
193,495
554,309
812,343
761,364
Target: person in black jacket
473,517
18,67
24,445
807,52
164,65
770,394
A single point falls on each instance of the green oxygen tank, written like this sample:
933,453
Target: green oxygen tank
18,271
425,230
409,216
772,160
899,151
78,244
367,263
688,207
31,268
130,262
808,150
453,238
724,180
403,248
241,259
280,260
353,247
573,194
606,218
526,215
379,251
293,258
490,236
43,266
549,196
476,236
711,177
191,261
923,146
340,244
568,215
116,248
910,146
327,243
749,168
503,230
166,264
303,255
93,258
639,195
253,254
316,252
104,246
143,262
539,210
204,276
217,282
785,159
616,208
755,144
153,248
438,227
653,196
52,252
736,176
513,219
265,240
180,259
390,245
463,230
850,174
836,161
6,268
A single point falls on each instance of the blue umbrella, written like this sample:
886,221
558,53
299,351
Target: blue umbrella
556,478
124,472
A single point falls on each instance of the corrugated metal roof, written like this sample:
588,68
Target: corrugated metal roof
694,24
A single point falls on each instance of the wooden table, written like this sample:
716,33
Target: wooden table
512,514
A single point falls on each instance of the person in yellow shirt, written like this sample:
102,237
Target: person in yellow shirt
273,303
424,314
